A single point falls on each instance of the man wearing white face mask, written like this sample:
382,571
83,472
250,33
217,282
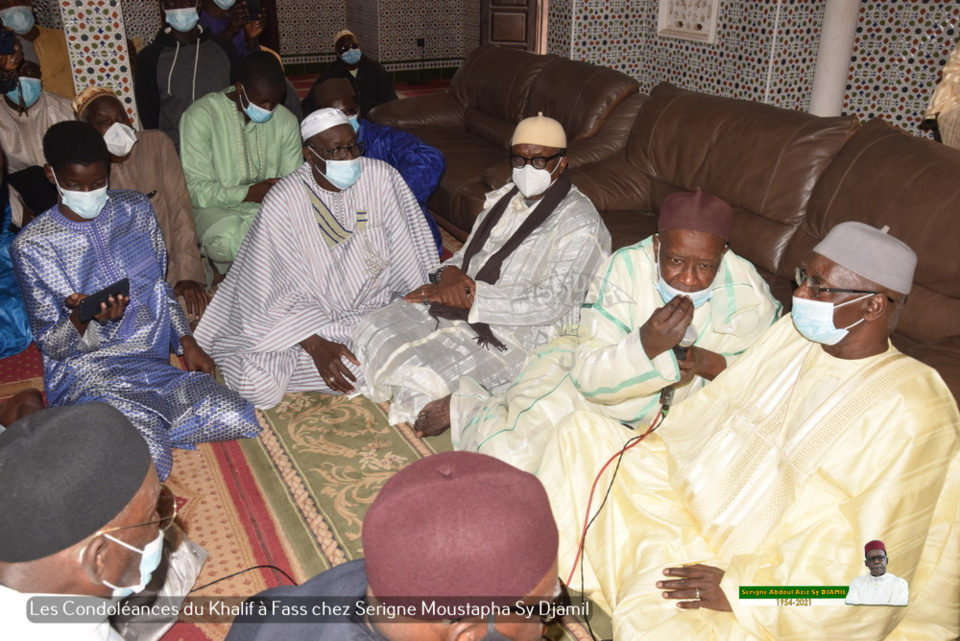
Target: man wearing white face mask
777,458
518,281
65,530
146,161
41,45
681,286
339,237
26,113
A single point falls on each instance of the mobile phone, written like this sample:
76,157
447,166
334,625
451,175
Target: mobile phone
7,40
90,306
253,9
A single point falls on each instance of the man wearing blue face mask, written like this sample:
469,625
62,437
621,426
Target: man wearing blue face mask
84,515
236,144
184,63
26,113
371,82
44,46
92,240
682,286
777,458
336,239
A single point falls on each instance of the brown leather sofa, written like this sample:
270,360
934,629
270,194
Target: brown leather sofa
789,176
473,121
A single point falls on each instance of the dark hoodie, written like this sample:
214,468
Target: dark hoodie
170,76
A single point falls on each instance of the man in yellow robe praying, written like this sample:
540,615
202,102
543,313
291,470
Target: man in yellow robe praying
821,436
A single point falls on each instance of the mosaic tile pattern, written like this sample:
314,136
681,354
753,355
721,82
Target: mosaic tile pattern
363,18
898,55
141,20
470,36
97,44
559,26
307,27
47,13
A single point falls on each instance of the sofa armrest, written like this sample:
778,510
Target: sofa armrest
432,110
611,138
614,184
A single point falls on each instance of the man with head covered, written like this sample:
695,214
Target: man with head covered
680,286
458,530
83,514
517,282
877,587
820,435
336,239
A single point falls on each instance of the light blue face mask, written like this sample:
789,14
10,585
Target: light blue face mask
814,320
355,123
183,20
29,89
150,557
86,204
342,174
668,293
351,56
224,4
20,19
255,112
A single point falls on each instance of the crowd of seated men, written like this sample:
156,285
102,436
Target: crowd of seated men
294,252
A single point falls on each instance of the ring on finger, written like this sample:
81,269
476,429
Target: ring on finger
698,594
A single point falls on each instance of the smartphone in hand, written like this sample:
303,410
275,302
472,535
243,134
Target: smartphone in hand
90,306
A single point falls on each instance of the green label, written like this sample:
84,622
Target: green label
793,592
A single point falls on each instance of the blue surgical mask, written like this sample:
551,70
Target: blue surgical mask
86,204
20,19
355,123
814,320
224,4
255,112
29,89
351,56
150,557
668,293
183,20
342,174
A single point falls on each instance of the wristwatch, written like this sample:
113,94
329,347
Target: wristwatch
435,276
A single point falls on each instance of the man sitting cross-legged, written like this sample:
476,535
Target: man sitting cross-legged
681,283
91,240
821,436
338,238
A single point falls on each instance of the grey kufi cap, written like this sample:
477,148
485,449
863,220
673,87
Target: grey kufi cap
871,253
65,473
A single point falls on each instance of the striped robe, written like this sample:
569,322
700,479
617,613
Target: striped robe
298,274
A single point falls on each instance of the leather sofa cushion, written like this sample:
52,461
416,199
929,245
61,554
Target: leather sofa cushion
497,80
884,176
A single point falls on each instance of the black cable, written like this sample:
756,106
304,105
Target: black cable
256,567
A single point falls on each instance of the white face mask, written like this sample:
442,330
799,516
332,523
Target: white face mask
120,139
532,182
86,204
814,319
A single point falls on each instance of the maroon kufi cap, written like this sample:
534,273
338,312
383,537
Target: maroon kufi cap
874,545
696,211
456,526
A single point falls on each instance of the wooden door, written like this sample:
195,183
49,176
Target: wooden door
510,23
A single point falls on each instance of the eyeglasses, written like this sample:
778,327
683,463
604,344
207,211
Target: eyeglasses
348,47
872,559
538,162
166,510
350,113
341,153
802,278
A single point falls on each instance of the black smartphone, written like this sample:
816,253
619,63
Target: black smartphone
253,9
7,40
90,306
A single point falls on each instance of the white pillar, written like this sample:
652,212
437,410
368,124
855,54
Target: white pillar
833,57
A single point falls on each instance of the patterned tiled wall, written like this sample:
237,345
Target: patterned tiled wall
47,13
898,54
307,27
142,20
559,25
97,45
363,18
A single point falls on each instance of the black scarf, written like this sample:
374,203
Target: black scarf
490,272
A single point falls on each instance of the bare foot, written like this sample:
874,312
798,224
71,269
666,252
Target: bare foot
434,418
19,405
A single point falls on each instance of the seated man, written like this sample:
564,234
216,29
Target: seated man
517,282
26,112
122,356
681,286
236,145
443,529
774,473
83,514
15,333
41,45
420,164
877,587
183,64
340,237
371,82
146,161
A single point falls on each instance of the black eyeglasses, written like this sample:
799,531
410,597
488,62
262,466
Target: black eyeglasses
341,153
343,48
872,559
802,278
538,162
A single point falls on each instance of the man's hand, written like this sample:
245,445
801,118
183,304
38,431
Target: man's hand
328,357
666,327
110,311
701,362
194,358
699,587
194,295
455,289
238,18
258,191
